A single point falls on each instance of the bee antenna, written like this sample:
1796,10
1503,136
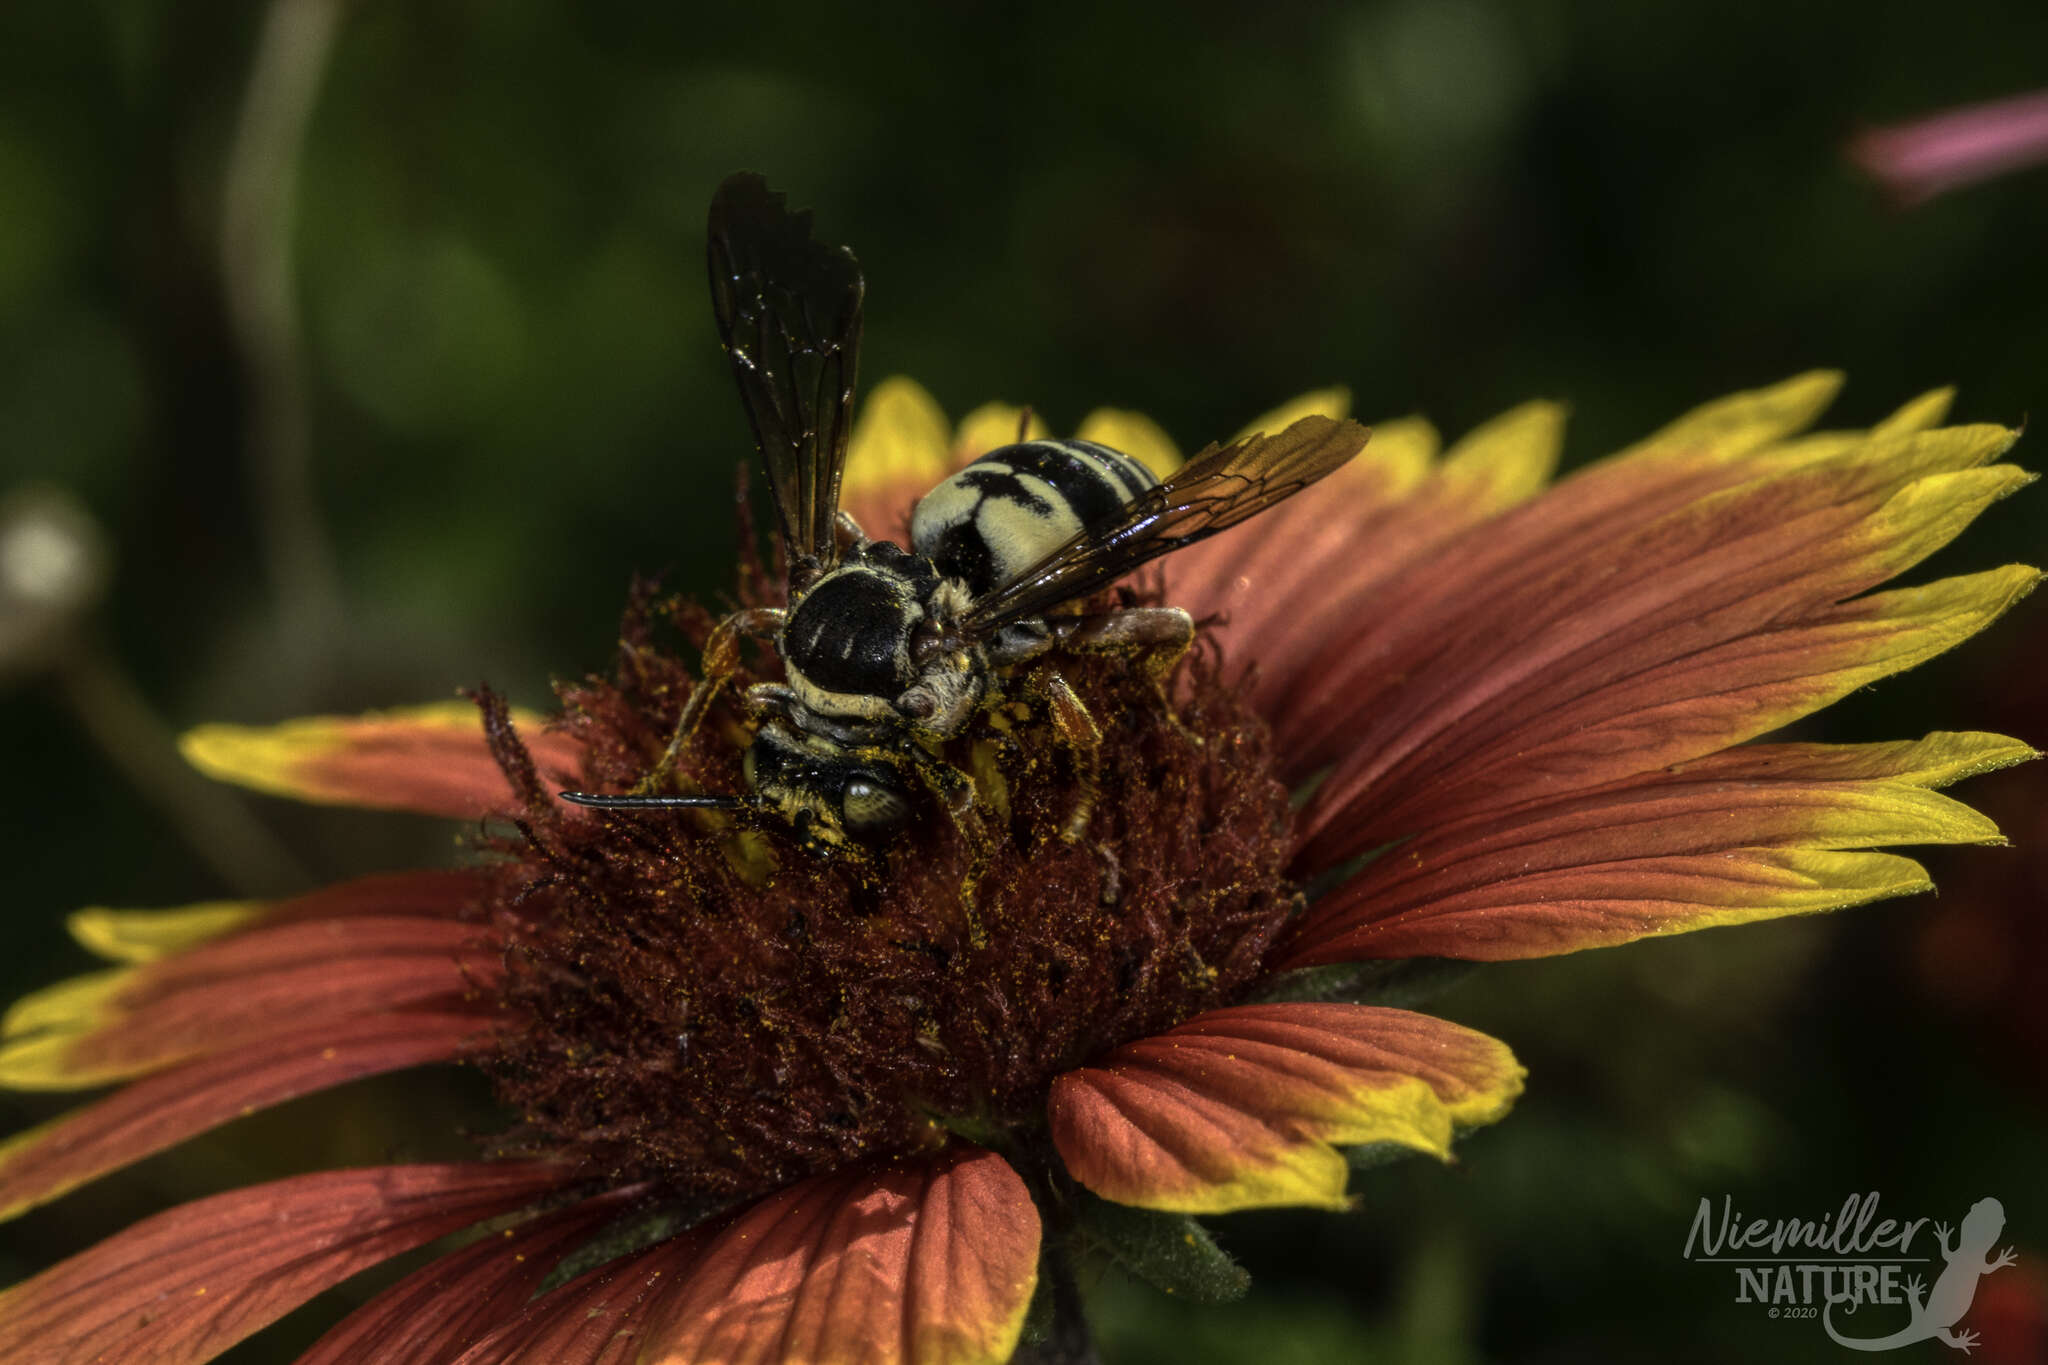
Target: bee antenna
603,801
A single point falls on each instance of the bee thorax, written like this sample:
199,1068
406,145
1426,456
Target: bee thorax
847,643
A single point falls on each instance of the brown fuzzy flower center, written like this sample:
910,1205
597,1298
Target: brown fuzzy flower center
706,1003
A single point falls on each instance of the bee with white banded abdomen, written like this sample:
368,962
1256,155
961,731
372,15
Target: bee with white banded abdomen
888,653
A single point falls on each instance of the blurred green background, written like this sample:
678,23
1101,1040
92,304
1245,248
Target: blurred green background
487,329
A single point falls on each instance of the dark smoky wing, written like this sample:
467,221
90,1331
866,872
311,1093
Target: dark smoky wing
1220,487
788,311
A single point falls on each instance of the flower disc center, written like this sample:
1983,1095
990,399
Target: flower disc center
716,1006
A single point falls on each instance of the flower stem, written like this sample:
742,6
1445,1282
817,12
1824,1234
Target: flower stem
1069,1342
258,215
215,823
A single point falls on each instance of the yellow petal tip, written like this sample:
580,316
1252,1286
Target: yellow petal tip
42,1062
1918,415
137,936
68,1006
898,440
280,759
1512,456
1334,401
1731,427
1135,435
992,425
1400,456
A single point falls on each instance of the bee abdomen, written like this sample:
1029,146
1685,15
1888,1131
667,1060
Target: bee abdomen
996,518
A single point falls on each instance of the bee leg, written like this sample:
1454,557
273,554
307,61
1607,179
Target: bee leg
721,661
1020,642
1157,637
955,791
1079,732
771,699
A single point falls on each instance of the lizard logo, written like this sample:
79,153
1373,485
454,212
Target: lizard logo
1935,1316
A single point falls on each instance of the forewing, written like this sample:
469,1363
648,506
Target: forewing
1217,489
788,311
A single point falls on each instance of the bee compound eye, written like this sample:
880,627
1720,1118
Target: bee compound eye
869,806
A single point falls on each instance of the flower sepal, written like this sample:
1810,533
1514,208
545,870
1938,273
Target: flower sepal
979,1129
628,1234
1172,1252
1399,983
1370,1156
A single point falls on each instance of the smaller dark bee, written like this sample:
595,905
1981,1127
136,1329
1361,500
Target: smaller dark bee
888,653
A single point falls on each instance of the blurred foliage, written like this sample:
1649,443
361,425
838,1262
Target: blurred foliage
1450,205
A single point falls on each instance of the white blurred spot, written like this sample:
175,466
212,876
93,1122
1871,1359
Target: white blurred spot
40,562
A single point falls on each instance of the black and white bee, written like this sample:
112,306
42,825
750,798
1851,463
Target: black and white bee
888,653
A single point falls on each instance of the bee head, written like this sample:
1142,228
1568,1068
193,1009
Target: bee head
831,800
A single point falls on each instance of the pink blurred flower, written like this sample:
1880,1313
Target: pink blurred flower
1917,160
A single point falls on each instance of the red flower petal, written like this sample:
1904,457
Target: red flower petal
436,892
916,1263
1749,834
147,935
192,1281
227,993
1554,649
1318,563
457,1300
1239,1108
598,1318
1351,548
167,1108
430,759
1598,905
1354,547
1415,613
